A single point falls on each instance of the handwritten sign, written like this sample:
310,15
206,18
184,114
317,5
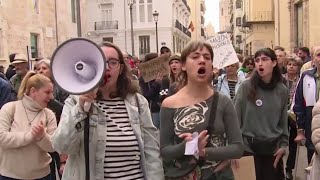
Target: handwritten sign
246,169
150,69
224,53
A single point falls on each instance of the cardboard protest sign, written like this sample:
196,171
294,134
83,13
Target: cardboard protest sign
150,69
224,53
246,170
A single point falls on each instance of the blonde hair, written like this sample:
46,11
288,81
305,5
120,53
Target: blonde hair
32,79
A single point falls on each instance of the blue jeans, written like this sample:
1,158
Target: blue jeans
7,178
156,119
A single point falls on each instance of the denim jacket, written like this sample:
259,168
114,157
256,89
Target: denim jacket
68,139
223,87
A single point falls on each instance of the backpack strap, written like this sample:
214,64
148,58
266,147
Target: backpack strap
86,146
138,103
213,111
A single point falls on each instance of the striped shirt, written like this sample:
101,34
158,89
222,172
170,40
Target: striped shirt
232,88
122,155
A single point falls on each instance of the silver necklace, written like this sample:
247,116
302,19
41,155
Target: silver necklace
25,110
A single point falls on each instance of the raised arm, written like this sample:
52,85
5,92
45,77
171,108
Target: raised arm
67,136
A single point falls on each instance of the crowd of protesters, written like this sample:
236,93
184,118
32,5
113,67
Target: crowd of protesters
265,106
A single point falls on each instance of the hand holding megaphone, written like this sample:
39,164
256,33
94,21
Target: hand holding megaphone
78,67
85,100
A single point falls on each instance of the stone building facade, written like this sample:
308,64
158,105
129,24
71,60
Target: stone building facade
39,26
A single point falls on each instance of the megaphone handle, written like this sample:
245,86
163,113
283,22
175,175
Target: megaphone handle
87,105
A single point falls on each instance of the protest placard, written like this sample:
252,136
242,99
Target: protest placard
246,169
150,69
224,53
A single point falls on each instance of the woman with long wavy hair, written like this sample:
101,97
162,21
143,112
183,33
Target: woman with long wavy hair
262,103
122,136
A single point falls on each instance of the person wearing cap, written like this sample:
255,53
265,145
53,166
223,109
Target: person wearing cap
168,84
151,90
20,63
164,50
11,71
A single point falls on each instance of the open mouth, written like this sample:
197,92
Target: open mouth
174,69
202,71
261,69
105,79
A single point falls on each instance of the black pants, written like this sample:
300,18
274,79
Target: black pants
265,170
291,161
7,178
55,161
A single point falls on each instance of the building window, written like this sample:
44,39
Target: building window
73,10
174,44
34,45
299,25
144,45
238,39
238,4
177,13
141,11
150,17
238,21
107,39
35,6
221,11
106,12
134,11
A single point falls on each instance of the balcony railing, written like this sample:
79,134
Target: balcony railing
182,28
186,4
105,25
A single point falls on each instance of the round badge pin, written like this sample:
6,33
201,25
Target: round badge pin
259,102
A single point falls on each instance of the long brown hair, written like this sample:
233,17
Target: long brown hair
124,82
32,79
255,79
190,47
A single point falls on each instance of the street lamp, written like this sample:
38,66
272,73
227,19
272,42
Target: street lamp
155,18
130,4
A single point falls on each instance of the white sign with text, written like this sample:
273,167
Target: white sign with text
224,53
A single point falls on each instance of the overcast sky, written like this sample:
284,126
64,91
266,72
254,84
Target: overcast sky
212,13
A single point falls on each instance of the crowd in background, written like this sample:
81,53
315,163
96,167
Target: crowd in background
261,106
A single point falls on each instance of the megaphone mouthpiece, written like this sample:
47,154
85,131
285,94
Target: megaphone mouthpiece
85,71
78,66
